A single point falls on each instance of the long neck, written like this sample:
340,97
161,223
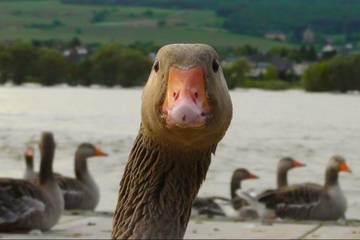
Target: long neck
29,162
282,177
331,177
81,168
157,190
234,185
46,163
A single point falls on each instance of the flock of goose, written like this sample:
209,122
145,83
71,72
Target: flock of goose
304,201
37,201
186,110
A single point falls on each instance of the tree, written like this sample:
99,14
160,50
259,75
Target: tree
235,72
116,65
52,67
83,72
3,63
340,73
21,59
271,73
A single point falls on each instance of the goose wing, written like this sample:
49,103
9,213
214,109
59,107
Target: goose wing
207,206
294,194
72,189
302,202
19,200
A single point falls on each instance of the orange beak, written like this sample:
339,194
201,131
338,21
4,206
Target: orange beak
100,153
296,163
252,176
29,151
343,167
186,103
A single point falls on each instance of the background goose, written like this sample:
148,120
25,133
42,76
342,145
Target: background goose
238,176
311,201
81,192
209,206
24,205
186,110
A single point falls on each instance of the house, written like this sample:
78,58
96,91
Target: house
308,36
275,35
259,64
328,51
300,68
76,54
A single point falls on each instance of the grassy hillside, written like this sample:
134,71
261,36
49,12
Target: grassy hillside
330,18
45,19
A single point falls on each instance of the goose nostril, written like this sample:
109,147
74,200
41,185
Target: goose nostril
175,95
184,118
196,95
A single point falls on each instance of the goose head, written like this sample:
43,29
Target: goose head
186,101
335,165
339,164
29,156
88,150
288,163
238,176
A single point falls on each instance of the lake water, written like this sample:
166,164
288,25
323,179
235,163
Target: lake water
266,126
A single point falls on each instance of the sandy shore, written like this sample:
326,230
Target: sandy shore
98,226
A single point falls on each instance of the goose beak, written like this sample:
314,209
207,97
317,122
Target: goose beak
252,176
296,163
186,104
343,167
29,152
100,153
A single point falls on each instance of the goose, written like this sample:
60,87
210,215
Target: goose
186,110
312,201
82,192
26,206
239,175
208,205
250,208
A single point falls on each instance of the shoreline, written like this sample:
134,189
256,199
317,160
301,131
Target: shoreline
97,225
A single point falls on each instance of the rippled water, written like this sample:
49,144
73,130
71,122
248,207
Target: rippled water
266,126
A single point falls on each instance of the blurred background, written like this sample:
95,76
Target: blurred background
76,67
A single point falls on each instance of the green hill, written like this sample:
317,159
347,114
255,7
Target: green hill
47,19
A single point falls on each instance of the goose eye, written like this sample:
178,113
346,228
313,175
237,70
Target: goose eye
215,65
156,66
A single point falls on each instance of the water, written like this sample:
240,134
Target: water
266,126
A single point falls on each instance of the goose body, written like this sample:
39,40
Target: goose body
24,205
186,110
311,201
82,192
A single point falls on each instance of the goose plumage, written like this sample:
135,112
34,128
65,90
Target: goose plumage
81,192
24,205
312,201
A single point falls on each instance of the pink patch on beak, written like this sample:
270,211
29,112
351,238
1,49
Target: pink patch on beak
186,104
